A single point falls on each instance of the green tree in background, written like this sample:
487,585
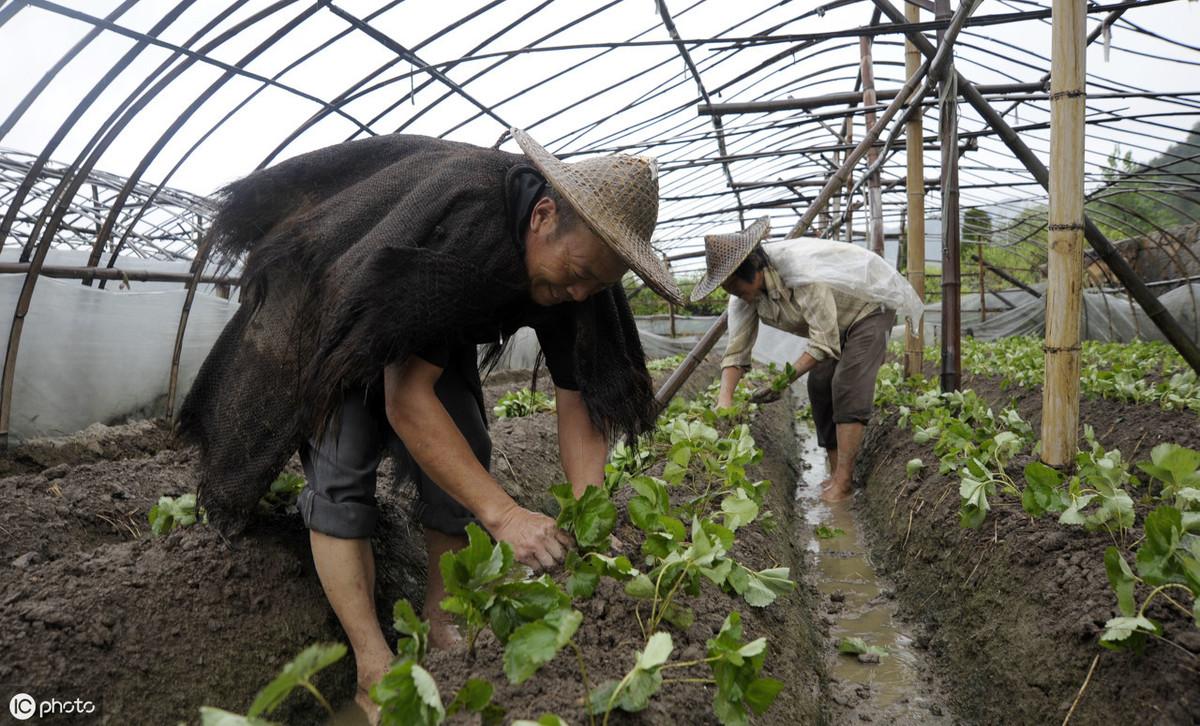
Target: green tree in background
644,302
1133,200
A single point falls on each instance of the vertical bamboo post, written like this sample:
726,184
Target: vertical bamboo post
982,285
874,198
1060,395
848,138
670,305
914,337
951,376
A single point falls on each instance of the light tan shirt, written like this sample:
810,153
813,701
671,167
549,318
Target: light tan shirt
815,311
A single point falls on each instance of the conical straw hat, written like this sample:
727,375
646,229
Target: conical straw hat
724,252
618,198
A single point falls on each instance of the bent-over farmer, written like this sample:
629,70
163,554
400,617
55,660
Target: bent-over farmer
841,297
374,268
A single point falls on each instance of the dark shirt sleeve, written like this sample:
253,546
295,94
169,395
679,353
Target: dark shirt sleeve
556,336
436,355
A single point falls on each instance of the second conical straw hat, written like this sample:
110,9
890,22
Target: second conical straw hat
724,252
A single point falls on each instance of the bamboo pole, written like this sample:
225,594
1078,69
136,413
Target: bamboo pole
113,273
914,336
847,137
951,374
874,198
676,380
848,97
982,286
1064,290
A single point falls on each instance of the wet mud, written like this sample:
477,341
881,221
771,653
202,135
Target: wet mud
896,686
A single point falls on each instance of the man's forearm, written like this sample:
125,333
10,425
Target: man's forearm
729,380
439,448
583,448
804,364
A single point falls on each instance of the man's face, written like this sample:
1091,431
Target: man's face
747,291
566,266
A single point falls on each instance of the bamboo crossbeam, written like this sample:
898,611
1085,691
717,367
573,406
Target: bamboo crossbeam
934,68
1064,289
1003,274
112,273
1163,320
839,99
680,375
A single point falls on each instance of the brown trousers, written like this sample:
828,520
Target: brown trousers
843,390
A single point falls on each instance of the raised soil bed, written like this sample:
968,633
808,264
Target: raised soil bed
1012,611
94,607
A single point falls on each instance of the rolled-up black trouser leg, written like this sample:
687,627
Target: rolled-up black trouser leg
820,395
438,510
339,498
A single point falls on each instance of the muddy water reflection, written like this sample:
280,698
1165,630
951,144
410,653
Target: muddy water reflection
857,603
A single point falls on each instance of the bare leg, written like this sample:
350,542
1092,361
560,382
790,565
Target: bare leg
850,436
346,568
831,467
442,633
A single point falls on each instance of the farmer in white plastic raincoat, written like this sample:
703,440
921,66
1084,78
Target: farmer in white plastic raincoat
841,297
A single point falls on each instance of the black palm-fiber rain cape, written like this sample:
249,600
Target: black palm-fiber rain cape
357,255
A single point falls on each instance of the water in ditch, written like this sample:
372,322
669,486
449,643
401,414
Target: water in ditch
857,603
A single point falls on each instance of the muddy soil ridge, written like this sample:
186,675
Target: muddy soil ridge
1016,607
95,608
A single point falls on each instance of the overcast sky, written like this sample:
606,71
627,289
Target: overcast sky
35,39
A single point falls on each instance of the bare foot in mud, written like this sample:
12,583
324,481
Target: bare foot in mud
443,633
362,698
838,490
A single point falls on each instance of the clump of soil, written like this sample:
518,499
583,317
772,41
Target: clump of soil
98,442
93,607
1016,607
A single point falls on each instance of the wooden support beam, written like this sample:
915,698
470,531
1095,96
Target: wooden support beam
914,335
676,380
874,199
951,373
1003,274
982,286
1064,290
840,99
112,273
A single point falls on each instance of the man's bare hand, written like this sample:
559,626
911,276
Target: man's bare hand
535,539
765,394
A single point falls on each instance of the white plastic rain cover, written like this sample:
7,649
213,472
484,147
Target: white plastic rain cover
847,268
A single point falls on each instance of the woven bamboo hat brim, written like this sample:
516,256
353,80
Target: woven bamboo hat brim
618,197
724,252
